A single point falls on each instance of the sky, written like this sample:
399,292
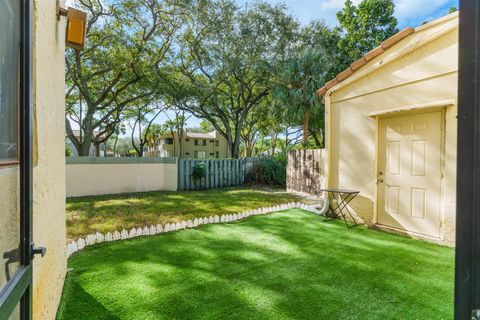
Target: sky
409,13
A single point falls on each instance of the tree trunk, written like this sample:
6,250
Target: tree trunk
248,149
174,144
84,150
140,153
273,145
115,146
306,115
180,144
287,142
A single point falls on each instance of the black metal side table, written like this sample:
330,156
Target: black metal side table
339,207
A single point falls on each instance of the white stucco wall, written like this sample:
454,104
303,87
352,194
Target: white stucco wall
421,69
115,175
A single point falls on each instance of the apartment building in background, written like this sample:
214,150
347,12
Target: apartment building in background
196,145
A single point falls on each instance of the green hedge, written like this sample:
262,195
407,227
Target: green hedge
271,171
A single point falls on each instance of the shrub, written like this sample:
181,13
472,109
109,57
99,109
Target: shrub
199,172
68,151
271,171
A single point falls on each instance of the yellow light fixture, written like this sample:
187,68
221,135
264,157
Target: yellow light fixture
76,27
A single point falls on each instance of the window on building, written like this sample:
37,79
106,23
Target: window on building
9,82
217,143
200,154
168,140
212,141
211,154
200,142
217,154
187,140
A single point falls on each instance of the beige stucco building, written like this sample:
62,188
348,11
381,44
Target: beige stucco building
391,131
48,189
198,145
49,173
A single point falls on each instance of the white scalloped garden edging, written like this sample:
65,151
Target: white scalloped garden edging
98,237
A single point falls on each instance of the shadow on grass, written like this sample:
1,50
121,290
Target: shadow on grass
108,213
288,265
88,307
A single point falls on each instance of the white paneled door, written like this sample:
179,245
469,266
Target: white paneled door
409,177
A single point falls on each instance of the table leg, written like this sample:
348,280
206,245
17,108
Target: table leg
344,206
333,210
341,207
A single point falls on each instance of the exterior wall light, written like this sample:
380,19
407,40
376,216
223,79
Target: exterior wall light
75,34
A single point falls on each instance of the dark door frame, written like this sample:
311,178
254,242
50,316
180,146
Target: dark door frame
19,288
467,257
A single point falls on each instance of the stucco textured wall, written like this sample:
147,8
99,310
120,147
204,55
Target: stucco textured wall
422,74
97,179
49,172
9,217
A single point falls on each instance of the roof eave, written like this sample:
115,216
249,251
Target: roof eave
356,65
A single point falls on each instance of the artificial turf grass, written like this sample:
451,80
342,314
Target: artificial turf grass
108,213
288,265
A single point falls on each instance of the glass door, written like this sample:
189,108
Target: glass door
15,159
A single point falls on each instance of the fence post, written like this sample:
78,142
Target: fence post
215,173
224,173
187,174
180,164
207,174
237,172
229,172
242,171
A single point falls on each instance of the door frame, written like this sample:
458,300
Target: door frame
467,254
19,288
429,107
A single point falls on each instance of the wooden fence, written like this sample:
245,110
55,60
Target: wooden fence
306,171
219,173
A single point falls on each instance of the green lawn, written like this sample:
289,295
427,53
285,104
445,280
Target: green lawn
86,215
287,265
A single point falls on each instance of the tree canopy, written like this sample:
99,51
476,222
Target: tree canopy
128,45
249,72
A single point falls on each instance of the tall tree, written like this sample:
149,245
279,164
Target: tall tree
299,77
365,26
119,129
152,138
227,54
321,53
143,114
176,128
128,43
